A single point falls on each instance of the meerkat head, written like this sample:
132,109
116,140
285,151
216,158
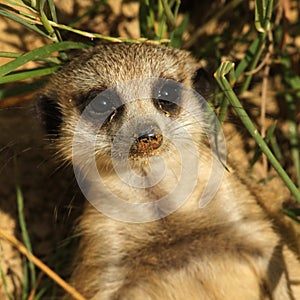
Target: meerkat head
106,79
125,104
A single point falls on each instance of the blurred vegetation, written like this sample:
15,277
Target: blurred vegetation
260,37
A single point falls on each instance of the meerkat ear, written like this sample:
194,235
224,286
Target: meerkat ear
203,82
49,113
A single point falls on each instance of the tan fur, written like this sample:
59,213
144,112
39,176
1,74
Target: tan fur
227,250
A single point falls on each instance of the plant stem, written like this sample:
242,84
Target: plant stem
224,69
263,32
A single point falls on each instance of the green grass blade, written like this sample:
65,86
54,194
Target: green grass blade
276,148
89,11
21,88
261,39
170,18
161,21
25,281
292,96
52,9
147,19
45,21
247,59
25,236
258,152
23,22
293,214
53,60
9,54
95,35
14,9
176,35
4,281
223,110
294,135
40,294
39,53
22,75
20,3
260,14
223,70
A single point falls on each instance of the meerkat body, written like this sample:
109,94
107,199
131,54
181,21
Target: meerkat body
226,250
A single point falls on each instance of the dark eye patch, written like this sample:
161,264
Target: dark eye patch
49,113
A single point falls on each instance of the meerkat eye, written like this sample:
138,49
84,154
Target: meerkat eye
167,98
100,103
169,92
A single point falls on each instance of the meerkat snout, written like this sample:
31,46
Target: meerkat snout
147,139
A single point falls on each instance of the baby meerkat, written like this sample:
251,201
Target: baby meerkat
164,219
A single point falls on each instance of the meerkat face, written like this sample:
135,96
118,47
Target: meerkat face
128,107
118,83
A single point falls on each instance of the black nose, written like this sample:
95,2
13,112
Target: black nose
148,132
147,138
